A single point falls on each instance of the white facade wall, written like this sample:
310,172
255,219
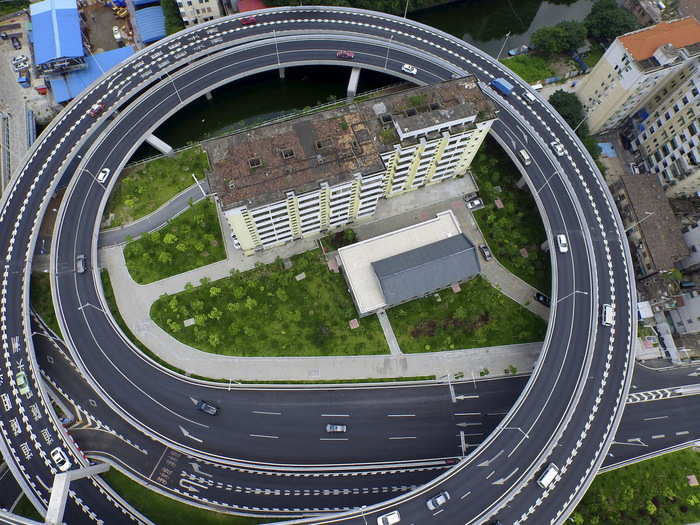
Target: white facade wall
197,11
686,318
692,240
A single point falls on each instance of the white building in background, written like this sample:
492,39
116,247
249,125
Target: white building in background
634,67
317,173
197,11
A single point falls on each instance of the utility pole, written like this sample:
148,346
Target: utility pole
504,45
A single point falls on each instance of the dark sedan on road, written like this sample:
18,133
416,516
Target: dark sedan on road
207,408
485,252
543,299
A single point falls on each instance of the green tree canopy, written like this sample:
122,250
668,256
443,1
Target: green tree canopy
607,21
565,36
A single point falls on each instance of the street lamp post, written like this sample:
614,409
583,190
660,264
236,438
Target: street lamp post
405,11
386,59
504,45
177,92
646,216
362,511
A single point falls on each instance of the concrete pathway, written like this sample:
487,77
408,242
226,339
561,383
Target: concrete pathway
155,220
389,334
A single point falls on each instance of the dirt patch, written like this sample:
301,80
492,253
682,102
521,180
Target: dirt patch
429,327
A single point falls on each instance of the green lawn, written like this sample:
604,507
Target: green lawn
477,316
40,296
517,225
267,312
25,508
190,240
144,188
165,511
654,491
12,7
532,68
594,55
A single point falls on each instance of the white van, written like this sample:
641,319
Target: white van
549,475
608,316
525,156
537,86
529,97
392,518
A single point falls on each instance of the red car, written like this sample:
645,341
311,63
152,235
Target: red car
96,110
345,54
249,21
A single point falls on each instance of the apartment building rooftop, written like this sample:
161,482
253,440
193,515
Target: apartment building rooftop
659,44
262,164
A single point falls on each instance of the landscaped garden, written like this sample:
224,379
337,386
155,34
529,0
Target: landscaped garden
656,491
268,312
40,297
478,315
144,188
190,240
515,226
166,511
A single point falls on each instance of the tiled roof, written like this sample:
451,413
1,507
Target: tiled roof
643,44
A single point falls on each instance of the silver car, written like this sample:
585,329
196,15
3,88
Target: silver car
438,501
333,428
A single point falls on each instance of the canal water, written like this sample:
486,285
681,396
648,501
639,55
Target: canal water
483,23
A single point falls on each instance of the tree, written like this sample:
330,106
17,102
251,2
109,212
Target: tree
164,257
565,36
568,105
214,291
607,21
169,238
171,14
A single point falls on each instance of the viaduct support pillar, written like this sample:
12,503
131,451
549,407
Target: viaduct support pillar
61,485
521,183
352,84
208,95
161,146
281,70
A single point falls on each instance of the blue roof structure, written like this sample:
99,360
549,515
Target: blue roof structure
145,2
70,85
150,24
56,30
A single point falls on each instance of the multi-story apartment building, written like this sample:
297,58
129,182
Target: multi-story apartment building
632,69
665,133
197,11
303,177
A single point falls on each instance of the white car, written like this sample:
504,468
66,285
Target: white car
390,518
438,501
116,33
558,148
408,68
102,175
562,243
59,457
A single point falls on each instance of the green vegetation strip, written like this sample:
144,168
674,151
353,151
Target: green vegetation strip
268,312
532,68
144,188
478,315
7,8
190,240
165,511
40,296
515,226
25,508
655,491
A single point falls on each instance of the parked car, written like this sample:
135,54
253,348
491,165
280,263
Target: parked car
96,110
485,252
207,407
390,518
475,204
249,20
22,383
345,54
438,501
543,299
16,43
19,61
408,68
562,243
558,148
116,33
60,459
333,428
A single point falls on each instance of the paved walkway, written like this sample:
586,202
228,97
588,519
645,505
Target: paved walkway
389,334
155,220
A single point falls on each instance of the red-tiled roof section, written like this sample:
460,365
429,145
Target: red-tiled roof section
643,44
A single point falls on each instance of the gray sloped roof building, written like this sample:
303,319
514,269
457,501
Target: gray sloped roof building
423,270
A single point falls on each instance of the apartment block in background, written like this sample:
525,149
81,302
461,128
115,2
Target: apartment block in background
197,11
633,68
310,175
